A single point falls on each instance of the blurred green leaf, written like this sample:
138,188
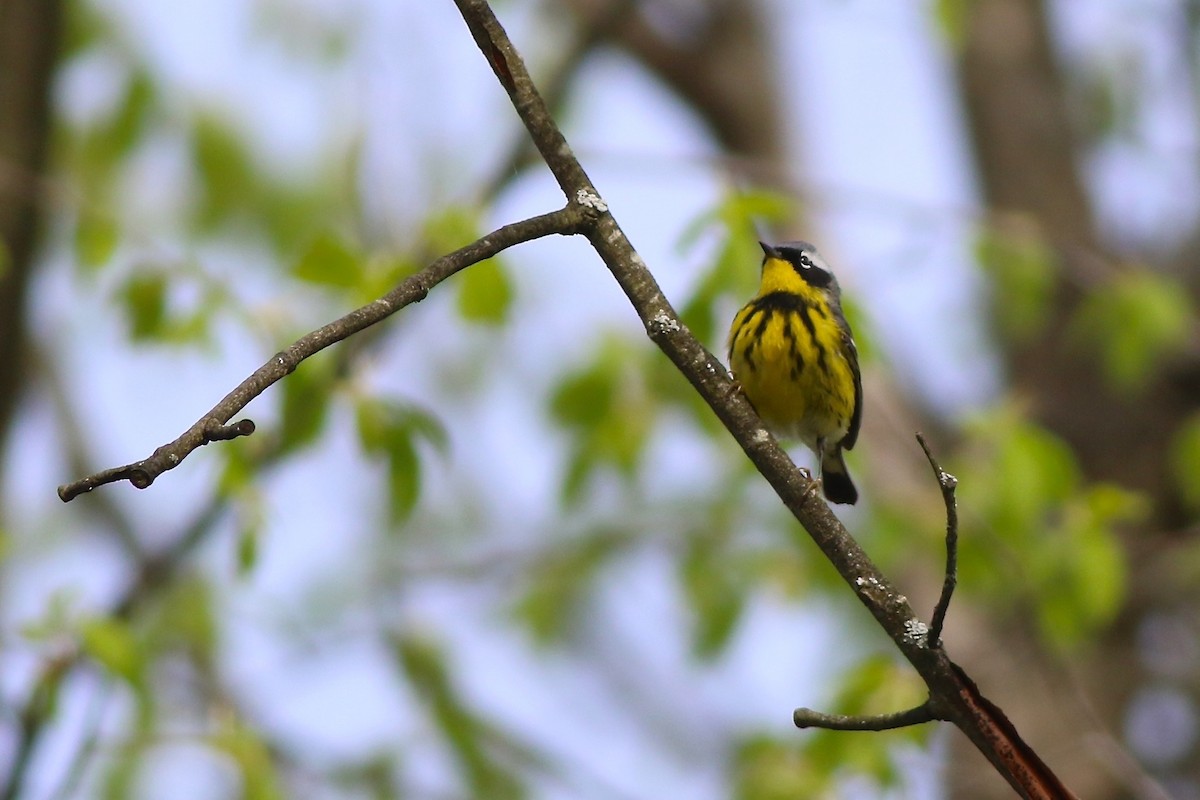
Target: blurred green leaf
304,403
112,644
879,684
225,168
144,296
1080,581
404,477
96,239
252,756
127,127
391,430
122,771
560,579
951,17
1185,462
585,397
85,26
715,593
43,704
485,293
186,618
1052,537
425,666
769,769
876,685
330,261
581,465
234,188
239,470
734,270
249,534
1018,472
1022,269
382,274
96,152
57,618
451,228
609,412
287,211
1136,321
740,214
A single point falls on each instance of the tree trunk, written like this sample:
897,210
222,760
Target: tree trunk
29,43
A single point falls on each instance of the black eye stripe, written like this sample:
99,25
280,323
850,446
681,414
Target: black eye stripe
806,264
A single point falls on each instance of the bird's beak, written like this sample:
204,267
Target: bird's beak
768,250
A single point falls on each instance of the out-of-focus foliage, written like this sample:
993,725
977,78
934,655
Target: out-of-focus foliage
391,431
330,261
819,764
1033,531
607,409
733,223
1135,322
252,757
486,294
951,19
557,584
1037,538
1022,272
472,741
114,647
1185,462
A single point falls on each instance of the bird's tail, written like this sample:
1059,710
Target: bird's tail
836,480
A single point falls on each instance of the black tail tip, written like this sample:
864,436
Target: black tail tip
839,488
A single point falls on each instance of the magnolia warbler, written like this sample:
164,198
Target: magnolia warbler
791,350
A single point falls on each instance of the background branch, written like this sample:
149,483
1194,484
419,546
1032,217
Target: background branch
30,33
211,427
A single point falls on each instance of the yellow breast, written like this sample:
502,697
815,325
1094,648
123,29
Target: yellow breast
788,354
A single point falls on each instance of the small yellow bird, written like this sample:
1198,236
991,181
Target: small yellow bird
791,350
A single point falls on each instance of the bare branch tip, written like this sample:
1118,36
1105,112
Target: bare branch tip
808,718
221,433
69,491
141,478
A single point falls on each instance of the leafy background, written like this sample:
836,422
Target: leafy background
496,548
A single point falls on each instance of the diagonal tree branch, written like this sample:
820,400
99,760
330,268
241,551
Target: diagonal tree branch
953,696
211,427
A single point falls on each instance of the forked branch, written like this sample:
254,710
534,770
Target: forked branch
808,718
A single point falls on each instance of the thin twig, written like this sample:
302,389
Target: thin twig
211,427
948,483
807,718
